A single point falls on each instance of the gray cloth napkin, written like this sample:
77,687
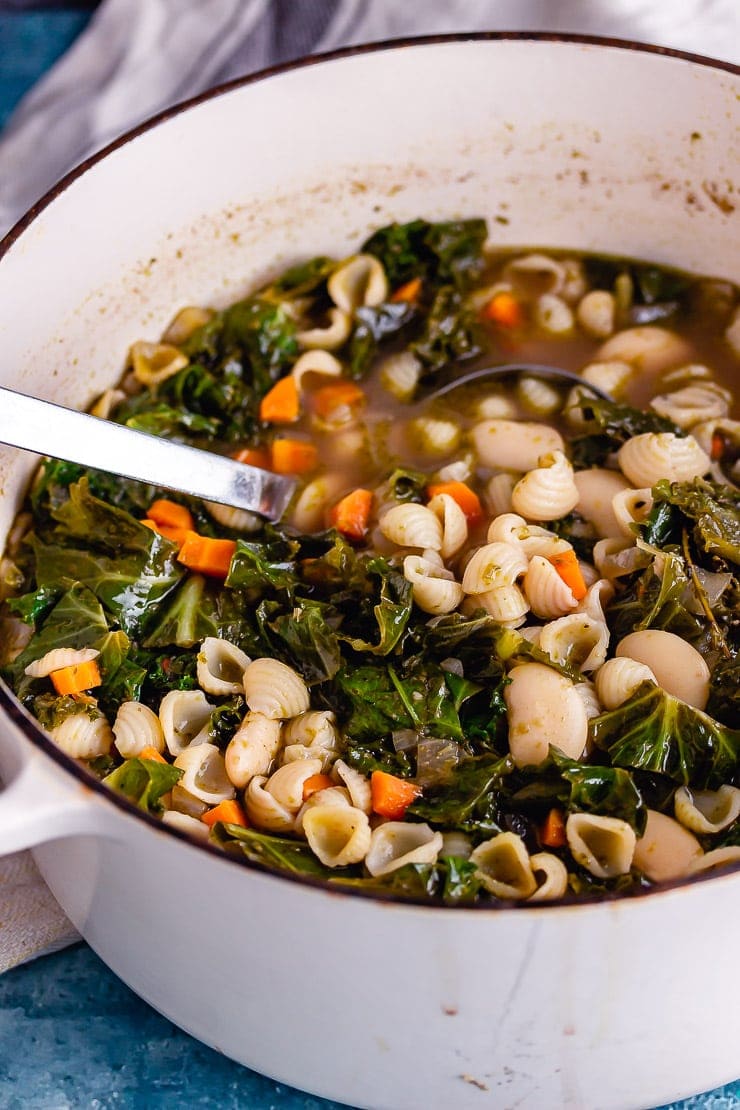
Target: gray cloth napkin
137,57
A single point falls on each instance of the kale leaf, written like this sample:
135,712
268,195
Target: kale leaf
654,731
612,425
144,781
450,251
710,510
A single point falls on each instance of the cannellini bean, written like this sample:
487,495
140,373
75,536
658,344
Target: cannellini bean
514,444
596,490
666,850
544,709
648,348
678,667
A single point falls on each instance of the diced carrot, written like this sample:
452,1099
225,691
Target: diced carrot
392,796
466,498
717,449
169,514
253,456
552,832
407,292
177,535
566,564
151,753
505,310
294,456
76,678
282,404
351,515
314,783
329,398
230,812
206,555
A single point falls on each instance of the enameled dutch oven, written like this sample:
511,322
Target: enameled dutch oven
576,143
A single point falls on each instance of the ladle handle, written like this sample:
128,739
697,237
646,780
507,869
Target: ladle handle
62,433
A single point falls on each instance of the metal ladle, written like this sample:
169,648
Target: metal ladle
77,437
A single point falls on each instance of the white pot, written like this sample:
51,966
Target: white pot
558,143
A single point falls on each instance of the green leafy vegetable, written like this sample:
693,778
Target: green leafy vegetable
613,424
654,731
450,251
710,510
471,801
372,327
144,782
450,333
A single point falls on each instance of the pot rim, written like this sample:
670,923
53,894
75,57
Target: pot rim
30,726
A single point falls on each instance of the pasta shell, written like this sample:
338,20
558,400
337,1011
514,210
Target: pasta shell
616,557
184,716
400,373
153,363
57,658
274,689
412,525
506,604
240,520
545,590
338,835
106,403
587,693
187,321
315,499
553,316
535,274
204,774
396,843
605,846
136,727
576,639
331,796
666,850
454,523
252,748
514,444
598,595
315,362
359,281
544,709
692,405
83,737
503,866
718,857
433,436
707,811
631,507
221,666
357,785
547,492
435,589
494,564
286,784
498,494
183,822
596,312
647,458
506,528
184,802
315,731
333,336
618,679
496,407
535,540
612,377
551,875
264,810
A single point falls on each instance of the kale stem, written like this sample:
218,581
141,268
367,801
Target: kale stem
703,599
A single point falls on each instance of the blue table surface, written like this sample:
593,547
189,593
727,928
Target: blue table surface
71,1033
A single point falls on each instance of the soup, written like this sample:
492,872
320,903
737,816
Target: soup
491,654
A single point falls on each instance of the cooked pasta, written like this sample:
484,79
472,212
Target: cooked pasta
491,652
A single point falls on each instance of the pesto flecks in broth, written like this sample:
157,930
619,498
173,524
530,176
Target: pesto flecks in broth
492,652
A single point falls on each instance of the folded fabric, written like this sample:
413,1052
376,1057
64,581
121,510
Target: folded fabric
139,56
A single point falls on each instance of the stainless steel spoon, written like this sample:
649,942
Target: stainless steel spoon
63,433
50,429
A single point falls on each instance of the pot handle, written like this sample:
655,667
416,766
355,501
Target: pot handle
41,803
